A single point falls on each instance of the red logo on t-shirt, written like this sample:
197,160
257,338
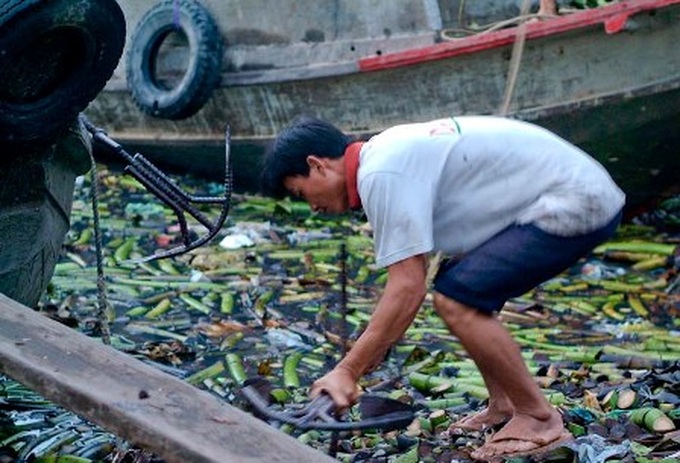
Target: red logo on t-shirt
445,127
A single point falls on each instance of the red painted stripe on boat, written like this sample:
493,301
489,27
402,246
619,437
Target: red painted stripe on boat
504,37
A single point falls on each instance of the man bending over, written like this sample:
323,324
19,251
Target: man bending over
509,203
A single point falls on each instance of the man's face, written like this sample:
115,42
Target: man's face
324,189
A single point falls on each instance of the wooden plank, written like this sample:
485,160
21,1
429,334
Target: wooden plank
133,400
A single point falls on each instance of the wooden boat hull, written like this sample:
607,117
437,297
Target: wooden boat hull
604,79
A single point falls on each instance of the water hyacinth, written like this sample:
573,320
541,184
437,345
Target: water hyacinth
602,339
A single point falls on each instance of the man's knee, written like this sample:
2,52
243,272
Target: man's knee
453,312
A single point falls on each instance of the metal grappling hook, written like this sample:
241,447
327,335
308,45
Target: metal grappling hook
320,413
161,186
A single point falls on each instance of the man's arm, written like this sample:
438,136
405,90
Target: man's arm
404,293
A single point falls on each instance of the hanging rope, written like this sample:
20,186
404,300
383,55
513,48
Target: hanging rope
515,59
104,307
450,34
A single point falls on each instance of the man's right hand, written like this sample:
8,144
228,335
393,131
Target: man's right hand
341,385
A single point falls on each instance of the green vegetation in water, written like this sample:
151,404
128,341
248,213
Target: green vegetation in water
601,338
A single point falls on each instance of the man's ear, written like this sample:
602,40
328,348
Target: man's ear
315,163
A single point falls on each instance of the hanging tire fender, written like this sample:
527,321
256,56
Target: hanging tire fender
55,57
203,71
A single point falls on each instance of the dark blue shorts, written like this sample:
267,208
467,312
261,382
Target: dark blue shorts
513,262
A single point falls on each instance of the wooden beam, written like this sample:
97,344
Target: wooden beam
143,405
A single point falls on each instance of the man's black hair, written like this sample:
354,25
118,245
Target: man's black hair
287,155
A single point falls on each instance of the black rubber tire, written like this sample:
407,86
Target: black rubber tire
55,57
203,72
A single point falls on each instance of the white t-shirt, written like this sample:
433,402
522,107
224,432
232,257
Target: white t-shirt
451,184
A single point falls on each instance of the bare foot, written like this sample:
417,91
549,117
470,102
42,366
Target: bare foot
522,425
485,419
524,435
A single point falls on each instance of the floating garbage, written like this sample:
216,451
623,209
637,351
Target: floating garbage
236,242
597,271
283,338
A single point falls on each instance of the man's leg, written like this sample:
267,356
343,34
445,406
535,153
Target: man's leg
534,422
499,408
471,290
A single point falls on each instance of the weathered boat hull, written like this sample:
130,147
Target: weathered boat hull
595,77
644,159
